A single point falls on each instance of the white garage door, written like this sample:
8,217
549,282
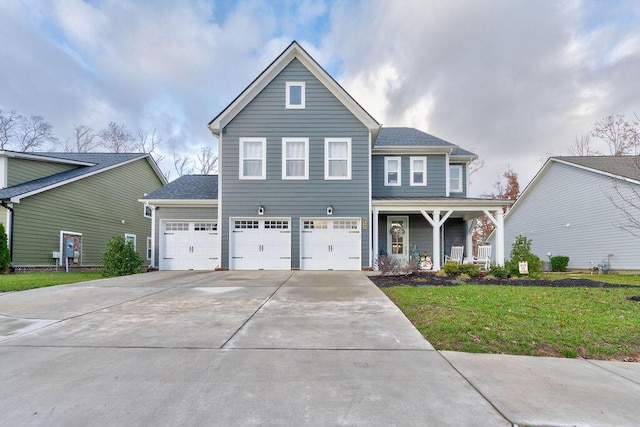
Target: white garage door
330,244
260,244
188,245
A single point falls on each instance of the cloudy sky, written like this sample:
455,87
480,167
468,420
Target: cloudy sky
513,81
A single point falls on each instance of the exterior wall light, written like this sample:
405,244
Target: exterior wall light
329,210
260,210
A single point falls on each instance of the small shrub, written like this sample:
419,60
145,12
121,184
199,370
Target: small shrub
570,354
451,268
559,263
5,255
499,272
441,273
462,277
411,266
470,270
120,258
387,265
520,252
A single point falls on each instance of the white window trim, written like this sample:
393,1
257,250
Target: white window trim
424,172
144,210
264,158
457,169
288,104
326,158
284,158
128,236
388,160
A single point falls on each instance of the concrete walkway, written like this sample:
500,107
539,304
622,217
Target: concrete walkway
271,348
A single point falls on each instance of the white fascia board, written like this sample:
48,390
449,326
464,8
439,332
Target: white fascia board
461,205
16,199
43,158
467,159
156,169
179,202
294,51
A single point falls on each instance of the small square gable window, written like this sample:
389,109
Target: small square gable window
295,95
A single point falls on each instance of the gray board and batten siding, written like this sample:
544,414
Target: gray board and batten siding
568,212
323,116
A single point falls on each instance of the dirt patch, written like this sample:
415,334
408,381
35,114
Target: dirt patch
430,279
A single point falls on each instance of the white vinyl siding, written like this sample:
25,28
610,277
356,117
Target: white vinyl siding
253,161
455,178
392,171
295,158
337,160
295,95
418,171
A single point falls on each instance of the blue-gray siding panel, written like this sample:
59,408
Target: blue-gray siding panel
568,212
266,116
436,178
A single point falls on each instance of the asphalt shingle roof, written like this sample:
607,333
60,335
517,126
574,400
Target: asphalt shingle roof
188,187
408,137
99,161
625,166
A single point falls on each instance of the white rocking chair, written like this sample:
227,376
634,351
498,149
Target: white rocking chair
456,255
483,259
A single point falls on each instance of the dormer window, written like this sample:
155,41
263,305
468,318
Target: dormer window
455,178
295,95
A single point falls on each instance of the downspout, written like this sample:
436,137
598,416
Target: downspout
10,209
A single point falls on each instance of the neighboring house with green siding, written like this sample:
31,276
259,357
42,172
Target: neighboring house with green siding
78,199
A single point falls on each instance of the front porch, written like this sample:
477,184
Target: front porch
433,225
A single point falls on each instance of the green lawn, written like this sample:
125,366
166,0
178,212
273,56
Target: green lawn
594,323
23,281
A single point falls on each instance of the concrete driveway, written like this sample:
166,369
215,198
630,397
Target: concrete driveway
247,348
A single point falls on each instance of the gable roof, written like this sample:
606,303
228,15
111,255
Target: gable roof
294,50
95,163
615,166
187,187
390,138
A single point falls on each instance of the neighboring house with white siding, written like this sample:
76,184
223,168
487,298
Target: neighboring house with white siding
310,180
569,208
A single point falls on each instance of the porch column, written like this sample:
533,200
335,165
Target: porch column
436,240
500,237
374,238
469,248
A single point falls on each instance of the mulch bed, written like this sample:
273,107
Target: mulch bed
430,279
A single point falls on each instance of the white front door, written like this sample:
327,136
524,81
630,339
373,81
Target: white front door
260,244
330,244
187,245
398,237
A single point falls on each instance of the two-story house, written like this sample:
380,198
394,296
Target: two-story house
49,201
310,180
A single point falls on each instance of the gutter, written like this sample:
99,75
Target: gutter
6,206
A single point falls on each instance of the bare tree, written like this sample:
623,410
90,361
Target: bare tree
83,140
207,161
33,132
116,138
582,147
148,143
622,136
626,198
183,165
8,122
474,167
508,190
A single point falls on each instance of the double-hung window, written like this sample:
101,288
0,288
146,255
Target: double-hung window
455,179
295,158
337,158
295,96
418,171
253,158
392,171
